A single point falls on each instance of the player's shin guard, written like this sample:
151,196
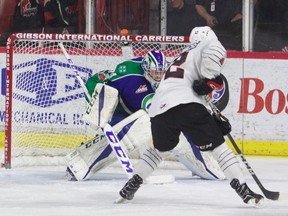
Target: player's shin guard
228,162
149,161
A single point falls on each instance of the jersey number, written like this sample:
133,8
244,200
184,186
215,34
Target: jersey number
174,70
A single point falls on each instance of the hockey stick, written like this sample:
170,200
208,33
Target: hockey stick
273,195
108,130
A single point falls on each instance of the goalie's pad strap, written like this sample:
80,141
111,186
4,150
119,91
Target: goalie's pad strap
104,102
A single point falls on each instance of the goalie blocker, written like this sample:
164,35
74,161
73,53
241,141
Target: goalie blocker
133,132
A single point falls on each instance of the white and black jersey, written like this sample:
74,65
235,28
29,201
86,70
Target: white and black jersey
203,60
177,108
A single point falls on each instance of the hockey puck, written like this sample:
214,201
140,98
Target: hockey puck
160,179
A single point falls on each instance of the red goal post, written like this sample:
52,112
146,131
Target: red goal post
45,102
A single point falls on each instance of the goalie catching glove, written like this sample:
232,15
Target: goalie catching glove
104,102
206,86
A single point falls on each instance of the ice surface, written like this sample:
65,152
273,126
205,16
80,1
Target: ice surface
43,191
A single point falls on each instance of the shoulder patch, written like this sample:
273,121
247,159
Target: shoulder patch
122,69
141,89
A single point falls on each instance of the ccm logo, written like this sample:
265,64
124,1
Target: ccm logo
119,151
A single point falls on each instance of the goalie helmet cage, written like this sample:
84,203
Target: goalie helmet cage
44,100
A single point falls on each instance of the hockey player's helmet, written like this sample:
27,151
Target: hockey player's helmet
154,66
202,33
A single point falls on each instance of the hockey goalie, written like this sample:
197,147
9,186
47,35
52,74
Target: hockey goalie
128,95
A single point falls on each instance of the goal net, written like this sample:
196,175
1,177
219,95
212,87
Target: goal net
45,101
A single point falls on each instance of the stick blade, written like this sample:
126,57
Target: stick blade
273,195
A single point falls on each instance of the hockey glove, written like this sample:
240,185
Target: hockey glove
206,86
224,125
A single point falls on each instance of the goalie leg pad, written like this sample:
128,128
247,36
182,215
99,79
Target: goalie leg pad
104,102
90,157
133,132
200,163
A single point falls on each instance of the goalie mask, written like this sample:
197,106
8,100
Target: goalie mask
154,66
202,33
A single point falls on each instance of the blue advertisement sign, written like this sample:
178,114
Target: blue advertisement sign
37,82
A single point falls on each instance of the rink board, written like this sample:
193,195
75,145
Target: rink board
257,107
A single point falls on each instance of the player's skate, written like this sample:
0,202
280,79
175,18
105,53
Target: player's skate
130,188
247,195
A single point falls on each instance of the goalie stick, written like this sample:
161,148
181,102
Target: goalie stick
108,130
273,195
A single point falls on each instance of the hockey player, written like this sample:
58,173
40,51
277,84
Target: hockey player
179,106
136,81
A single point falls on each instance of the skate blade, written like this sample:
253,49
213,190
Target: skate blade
120,200
260,204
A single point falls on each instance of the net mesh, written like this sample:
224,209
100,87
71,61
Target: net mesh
47,99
